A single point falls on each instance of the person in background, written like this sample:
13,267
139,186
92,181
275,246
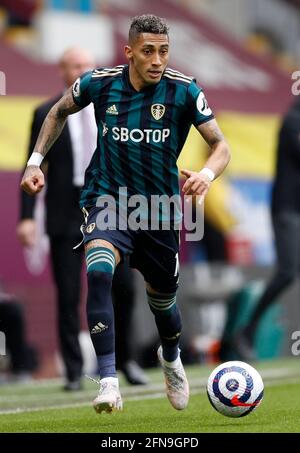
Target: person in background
23,357
285,211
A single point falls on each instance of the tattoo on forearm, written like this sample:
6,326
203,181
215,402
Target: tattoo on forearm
215,135
211,132
66,106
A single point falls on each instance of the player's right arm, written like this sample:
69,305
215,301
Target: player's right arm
27,226
33,178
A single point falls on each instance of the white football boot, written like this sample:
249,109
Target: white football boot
109,398
177,386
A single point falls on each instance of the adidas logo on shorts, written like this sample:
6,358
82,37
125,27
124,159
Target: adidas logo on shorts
99,328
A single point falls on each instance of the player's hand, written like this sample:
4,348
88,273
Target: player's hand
196,183
27,232
33,180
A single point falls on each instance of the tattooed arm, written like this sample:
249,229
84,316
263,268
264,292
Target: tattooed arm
33,178
220,154
198,183
54,122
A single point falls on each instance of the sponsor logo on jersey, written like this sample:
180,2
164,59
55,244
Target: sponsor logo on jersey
158,111
76,88
202,105
123,134
112,110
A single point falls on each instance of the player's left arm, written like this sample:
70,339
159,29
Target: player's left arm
198,183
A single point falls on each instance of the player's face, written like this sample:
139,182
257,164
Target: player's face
148,57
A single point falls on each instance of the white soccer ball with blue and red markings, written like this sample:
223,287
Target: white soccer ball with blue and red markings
235,389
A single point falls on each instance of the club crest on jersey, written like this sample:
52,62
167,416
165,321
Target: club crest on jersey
90,228
158,111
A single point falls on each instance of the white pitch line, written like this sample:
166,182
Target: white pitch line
73,405
196,390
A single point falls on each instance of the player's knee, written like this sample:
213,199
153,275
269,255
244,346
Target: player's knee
100,259
164,285
103,244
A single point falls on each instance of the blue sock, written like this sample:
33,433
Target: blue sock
100,314
168,322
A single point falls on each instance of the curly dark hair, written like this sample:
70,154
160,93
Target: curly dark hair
147,23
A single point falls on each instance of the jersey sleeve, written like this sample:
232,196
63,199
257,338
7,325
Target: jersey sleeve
199,109
81,90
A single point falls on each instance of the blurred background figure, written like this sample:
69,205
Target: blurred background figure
65,169
21,358
285,210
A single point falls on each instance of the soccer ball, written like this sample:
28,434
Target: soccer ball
235,389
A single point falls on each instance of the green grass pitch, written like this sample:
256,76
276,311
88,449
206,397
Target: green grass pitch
42,407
